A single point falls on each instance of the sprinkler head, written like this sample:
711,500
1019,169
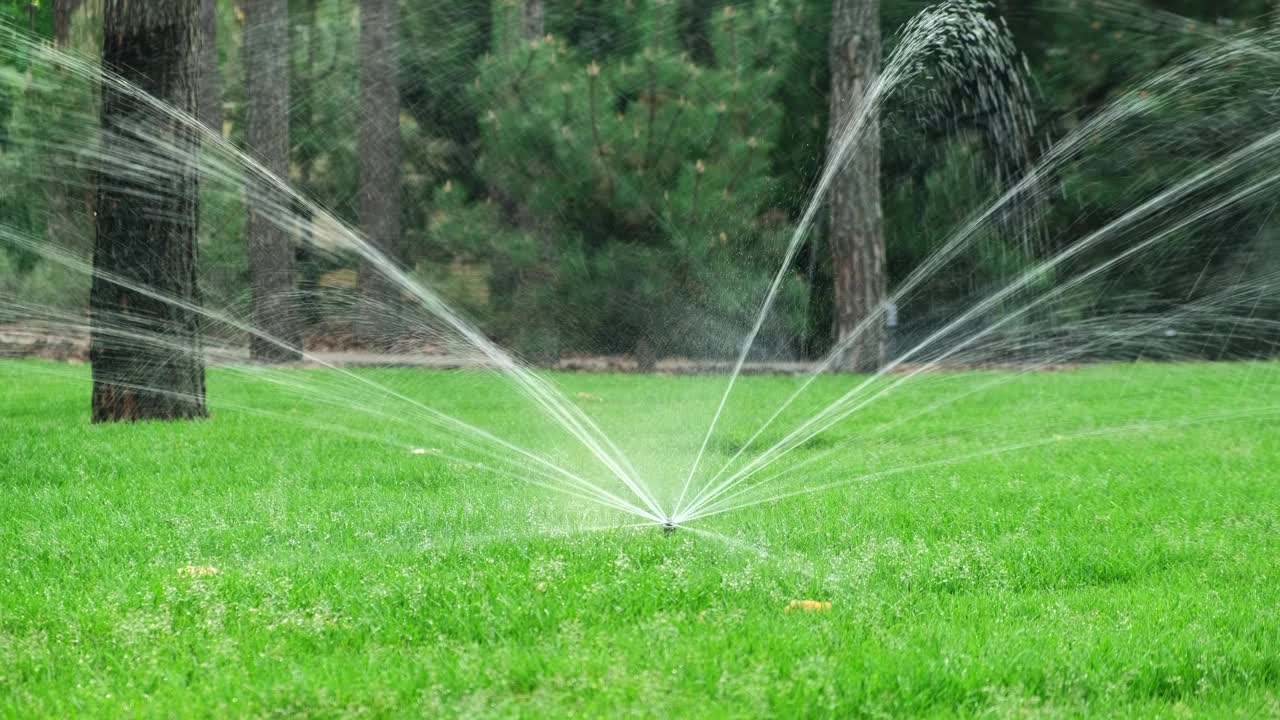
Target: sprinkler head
668,527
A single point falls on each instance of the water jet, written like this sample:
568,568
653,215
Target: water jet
1025,312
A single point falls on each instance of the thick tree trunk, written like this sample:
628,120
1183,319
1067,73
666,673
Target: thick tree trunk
271,258
209,88
379,159
856,233
146,354
63,10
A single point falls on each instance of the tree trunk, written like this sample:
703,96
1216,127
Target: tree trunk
379,160
146,354
271,274
70,195
65,221
63,10
534,19
856,233
209,94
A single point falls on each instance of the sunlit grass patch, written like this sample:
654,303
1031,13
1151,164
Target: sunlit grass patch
250,566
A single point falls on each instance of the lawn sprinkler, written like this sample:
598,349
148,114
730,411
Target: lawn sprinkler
668,526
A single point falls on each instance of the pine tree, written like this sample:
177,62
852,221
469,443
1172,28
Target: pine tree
209,95
146,353
379,157
649,170
271,254
857,227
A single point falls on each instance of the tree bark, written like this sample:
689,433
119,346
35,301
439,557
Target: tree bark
379,144
63,10
146,353
209,95
857,232
70,195
271,254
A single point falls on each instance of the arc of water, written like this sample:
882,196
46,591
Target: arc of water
1104,432
552,403
9,235
1102,125
550,484
946,253
1137,331
833,413
848,137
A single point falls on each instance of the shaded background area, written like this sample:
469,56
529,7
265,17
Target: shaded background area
609,178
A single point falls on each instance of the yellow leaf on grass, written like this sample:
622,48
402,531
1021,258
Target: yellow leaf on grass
808,606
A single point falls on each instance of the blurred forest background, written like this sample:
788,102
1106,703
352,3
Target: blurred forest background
622,176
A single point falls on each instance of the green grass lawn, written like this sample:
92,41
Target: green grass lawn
1126,573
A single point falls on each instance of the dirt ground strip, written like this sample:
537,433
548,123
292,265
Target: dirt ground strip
33,341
